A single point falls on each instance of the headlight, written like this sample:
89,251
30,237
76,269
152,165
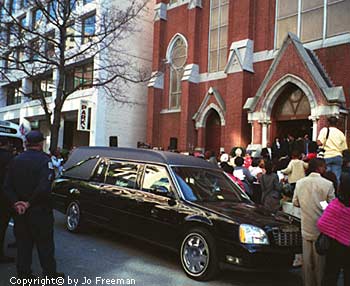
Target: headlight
252,235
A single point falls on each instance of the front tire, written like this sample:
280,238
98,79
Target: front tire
73,217
198,255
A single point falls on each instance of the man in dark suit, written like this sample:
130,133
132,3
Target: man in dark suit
266,152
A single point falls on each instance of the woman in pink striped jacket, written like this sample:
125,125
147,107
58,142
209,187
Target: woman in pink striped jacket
335,222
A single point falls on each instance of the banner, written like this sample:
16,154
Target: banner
84,116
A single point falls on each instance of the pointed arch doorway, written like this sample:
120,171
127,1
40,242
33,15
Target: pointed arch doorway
213,132
290,114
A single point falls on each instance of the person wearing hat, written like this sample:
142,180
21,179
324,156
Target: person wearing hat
28,189
334,143
5,210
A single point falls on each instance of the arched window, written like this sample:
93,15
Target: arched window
177,59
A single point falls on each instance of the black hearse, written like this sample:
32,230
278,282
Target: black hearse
177,201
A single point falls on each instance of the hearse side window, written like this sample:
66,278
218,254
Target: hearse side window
100,171
123,175
156,180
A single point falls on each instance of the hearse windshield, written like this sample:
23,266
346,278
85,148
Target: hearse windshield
205,185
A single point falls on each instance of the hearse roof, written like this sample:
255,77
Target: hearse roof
90,156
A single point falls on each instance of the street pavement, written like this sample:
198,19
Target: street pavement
99,254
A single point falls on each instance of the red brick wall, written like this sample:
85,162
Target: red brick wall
248,19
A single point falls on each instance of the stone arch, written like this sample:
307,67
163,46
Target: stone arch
203,118
274,92
172,42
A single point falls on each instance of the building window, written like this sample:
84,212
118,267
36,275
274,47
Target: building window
13,34
23,21
20,57
88,29
178,57
14,94
2,9
50,45
34,50
218,35
12,60
13,7
6,62
73,5
42,86
83,76
22,24
23,3
6,34
338,19
52,9
79,77
307,19
87,2
37,19
70,37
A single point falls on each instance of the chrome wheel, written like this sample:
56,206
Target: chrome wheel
73,216
195,254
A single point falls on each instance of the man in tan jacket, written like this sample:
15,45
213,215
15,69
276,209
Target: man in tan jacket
308,194
334,143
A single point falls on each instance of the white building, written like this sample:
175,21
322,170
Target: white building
110,122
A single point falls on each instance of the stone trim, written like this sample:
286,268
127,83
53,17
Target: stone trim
194,4
191,73
241,57
167,111
204,77
202,113
272,95
201,120
160,12
332,95
157,80
177,4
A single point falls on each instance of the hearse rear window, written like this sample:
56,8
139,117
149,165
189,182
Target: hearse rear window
123,175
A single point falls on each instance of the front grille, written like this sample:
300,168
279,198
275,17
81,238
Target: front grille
287,236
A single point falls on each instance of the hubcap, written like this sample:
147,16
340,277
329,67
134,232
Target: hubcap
195,254
73,216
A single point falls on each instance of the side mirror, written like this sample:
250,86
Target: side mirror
160,190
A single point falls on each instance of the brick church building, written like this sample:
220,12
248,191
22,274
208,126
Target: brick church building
237,72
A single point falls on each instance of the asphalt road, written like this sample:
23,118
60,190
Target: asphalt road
99,253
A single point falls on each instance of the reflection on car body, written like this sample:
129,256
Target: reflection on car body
177,201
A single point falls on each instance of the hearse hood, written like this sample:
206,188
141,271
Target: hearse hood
246,213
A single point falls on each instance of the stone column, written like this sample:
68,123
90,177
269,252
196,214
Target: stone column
314,127
264,133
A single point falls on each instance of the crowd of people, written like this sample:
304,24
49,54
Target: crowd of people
287,170
308,174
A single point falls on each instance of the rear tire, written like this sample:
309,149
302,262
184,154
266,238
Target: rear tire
73,217
198,255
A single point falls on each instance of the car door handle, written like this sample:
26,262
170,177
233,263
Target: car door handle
154,212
